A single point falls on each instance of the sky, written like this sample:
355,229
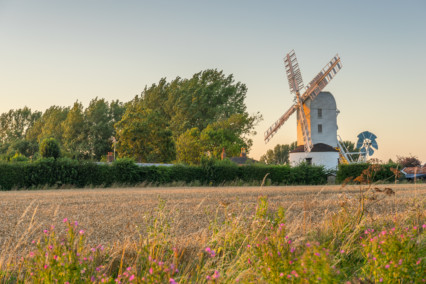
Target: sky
57,52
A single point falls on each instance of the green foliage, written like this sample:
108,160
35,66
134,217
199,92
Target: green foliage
143,134
49,148
203,113
392,252
229,134
352,171
188,147
350,147
67,172
64,260
15,124
48,125
279,155
126,171
19,158
74,133
146,128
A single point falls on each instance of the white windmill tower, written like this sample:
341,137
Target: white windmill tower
316,115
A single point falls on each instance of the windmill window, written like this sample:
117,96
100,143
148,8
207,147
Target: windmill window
320,113
319,128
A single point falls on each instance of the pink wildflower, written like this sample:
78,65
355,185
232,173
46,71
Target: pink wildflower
387,266
172,281
81,232
151,270
132,277
65,220
281,274
295,273
216,274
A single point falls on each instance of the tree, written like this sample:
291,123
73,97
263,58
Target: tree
48,125
350,148
409,161
188,147
99,128
207,97
209,101
144,134
23,147
15,124
49,148
231,134
74,133
279,155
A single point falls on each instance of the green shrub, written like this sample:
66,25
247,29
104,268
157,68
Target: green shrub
53,172
49,148
126,171
380,172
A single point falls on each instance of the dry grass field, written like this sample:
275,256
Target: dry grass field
116,215
214,234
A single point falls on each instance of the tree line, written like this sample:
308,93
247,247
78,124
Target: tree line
180,120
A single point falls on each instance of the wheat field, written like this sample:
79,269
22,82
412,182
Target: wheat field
116,215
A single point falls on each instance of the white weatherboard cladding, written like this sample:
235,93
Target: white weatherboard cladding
326,104
327,159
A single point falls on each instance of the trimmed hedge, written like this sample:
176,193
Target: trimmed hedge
353,171
55,173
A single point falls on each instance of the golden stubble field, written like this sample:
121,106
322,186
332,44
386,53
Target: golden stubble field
116,215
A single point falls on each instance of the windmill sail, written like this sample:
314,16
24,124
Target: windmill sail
312,90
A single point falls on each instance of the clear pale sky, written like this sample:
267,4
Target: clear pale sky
56,52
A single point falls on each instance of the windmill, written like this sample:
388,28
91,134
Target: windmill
303,97
367,143
366,146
